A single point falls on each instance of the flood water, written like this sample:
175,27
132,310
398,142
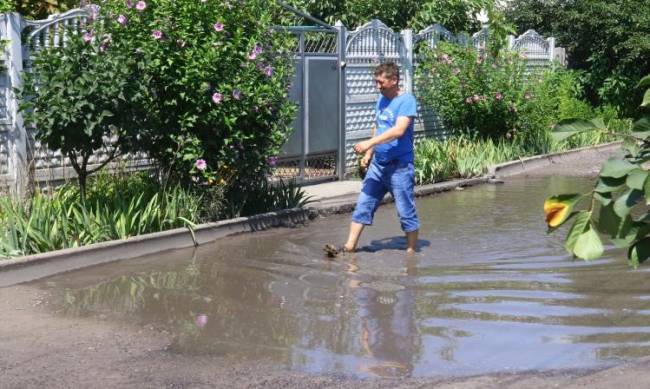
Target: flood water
489,291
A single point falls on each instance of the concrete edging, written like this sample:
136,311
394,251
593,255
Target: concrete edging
522,165
32,267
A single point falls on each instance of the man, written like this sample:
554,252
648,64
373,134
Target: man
389,160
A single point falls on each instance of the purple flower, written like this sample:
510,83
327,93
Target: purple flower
236,94
217,97
88,37
140,5
129,4
257,49
272,161
218,26
122,20
268,70
498,96
201,320
157,34
200,164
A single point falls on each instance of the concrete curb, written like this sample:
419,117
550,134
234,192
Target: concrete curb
512,168
32,267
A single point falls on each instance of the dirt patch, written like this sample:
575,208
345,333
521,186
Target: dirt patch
38,349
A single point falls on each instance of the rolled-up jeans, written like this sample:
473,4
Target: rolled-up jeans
395,177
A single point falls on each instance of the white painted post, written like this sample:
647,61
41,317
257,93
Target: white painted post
551,48
511,42
407,60
341,48
17,134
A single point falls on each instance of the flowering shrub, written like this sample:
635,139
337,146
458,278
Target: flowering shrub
218,83
471,93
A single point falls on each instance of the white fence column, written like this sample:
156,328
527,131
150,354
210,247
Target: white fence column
341,49
407,59
17,142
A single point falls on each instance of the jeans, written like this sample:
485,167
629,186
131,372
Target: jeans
395,177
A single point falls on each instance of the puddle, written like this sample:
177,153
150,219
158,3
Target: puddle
488,291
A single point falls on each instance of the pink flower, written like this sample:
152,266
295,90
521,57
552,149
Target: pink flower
476,98
252,55
217,97
201,320
218,26
236,94
88,37
129,4
122,20
498,96
268,70
157,34
140,5
200,164
272,161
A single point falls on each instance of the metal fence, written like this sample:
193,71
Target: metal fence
333,87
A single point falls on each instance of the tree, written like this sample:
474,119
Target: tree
608,39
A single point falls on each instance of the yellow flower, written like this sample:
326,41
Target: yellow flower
555,212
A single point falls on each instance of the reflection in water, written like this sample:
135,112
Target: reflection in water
489,291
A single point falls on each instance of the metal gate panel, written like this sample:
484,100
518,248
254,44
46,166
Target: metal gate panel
322,104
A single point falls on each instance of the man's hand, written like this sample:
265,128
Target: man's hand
362,147
365,161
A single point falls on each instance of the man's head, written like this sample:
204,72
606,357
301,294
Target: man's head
387,79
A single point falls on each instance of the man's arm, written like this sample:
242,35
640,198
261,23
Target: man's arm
401,125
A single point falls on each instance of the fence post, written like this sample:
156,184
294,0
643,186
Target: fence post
511,42
407,61
551,48
341,49
17,134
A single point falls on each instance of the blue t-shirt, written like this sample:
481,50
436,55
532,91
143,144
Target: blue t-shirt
387,112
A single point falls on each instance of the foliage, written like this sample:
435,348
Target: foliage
608,39
459,157
617,206
496,97
80,100
38,9
455,15
115,210
266,197
471,93
217,85
7,6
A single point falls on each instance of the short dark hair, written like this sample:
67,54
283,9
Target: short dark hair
389,69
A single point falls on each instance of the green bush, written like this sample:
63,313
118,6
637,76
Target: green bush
217,78
471,93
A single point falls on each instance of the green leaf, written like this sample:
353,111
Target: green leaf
608,184
636,179
639,252
570,127
646,98
641,128
623,205
645,82
616,168
588,245
604,198
579,226
608,221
